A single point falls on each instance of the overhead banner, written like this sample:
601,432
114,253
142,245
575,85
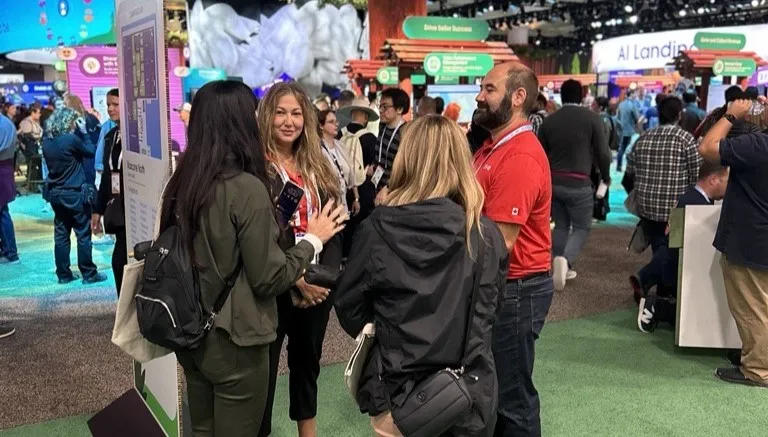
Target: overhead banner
445,28
647,51
458,64
146,167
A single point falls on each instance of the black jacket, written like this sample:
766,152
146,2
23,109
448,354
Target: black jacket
105,188
409,271
65,156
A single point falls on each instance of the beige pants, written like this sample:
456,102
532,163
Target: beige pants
747,293
384,426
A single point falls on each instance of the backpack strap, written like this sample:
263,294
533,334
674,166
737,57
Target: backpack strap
230,283
478,273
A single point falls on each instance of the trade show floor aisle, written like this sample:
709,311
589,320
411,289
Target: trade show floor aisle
597,376
61,363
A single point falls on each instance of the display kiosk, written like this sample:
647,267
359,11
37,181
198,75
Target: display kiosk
703,317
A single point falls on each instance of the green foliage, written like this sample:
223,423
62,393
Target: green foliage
358,4
576,65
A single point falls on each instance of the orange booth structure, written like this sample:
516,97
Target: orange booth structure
555,81
362,72
411,52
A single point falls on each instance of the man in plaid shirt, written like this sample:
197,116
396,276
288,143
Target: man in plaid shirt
665,163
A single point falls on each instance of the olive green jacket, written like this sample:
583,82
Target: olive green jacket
241,223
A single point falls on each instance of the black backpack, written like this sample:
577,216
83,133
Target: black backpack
168,307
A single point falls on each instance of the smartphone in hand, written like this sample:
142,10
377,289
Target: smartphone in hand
288,202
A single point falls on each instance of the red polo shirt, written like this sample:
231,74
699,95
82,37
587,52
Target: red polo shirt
517,183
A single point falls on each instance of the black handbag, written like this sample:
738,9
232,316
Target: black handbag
114,216
439,402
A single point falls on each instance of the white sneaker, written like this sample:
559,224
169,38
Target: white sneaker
571,275
559,272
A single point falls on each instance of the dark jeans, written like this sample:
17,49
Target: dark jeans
71,214
571,209
653,273
226,386
7,235
119,258
521,318
305,329
625,142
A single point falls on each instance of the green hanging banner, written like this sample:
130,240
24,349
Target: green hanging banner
387,76
734,67
719,41
458,64
446,28
418,79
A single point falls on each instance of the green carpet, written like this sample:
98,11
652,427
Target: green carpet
597,376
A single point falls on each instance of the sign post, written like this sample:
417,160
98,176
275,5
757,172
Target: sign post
734,67
146,167
458,64
445,28
719,41
387,76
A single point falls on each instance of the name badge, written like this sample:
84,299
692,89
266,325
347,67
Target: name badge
377,175
115,183
299,238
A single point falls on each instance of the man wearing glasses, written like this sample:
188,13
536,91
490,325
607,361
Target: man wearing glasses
394,104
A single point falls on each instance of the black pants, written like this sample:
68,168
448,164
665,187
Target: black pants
653,273
226,385
305,329
119,258
72,215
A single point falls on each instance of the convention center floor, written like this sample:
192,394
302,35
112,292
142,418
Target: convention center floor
597,374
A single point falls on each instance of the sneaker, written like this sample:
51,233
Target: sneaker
6,331
735,376
64,281
637,289
646,322
560,272
571,275
10,260
98,277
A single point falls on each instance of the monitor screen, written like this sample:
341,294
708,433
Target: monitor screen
55,23
463,95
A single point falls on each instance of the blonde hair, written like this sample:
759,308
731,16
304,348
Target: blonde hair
433,161
307,148
71,101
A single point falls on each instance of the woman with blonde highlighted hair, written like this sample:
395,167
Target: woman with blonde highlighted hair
290,134
411,272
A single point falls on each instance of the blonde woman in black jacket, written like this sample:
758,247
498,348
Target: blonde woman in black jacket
411,271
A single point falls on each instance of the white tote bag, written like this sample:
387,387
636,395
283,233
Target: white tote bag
126,334
356,363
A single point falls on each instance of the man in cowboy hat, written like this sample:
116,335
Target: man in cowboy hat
184,109
359,145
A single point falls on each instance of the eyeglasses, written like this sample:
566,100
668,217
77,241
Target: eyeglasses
384,107
332,121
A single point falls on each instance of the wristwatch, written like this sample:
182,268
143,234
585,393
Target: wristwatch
731,119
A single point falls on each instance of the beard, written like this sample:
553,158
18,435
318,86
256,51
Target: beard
493,119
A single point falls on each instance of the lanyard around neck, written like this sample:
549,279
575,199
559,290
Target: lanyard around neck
504,140
333,157
381,141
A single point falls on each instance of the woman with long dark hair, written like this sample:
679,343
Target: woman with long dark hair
290,134
218,197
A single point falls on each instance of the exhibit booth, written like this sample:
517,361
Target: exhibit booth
653,54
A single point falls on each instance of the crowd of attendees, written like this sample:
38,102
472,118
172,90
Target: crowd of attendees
411,212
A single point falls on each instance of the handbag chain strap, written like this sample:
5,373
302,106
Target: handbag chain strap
478,273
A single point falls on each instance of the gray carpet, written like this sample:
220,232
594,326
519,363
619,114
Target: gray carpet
61,361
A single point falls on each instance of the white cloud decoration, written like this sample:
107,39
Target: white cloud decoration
310,44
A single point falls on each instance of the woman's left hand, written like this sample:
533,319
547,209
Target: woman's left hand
312,293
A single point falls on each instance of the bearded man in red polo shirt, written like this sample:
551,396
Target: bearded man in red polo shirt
513,170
